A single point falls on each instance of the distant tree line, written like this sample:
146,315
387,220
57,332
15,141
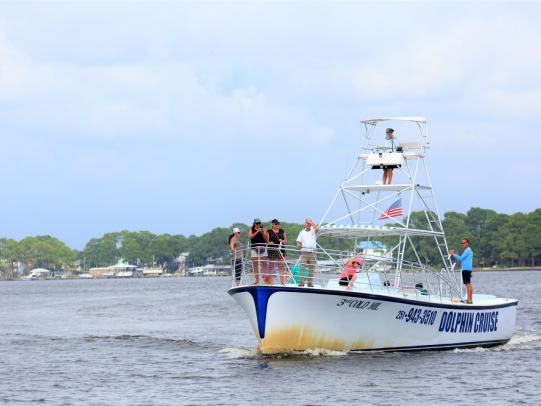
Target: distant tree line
35,252
497,239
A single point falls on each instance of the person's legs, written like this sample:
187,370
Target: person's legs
351,282
270,274
389,175
277,262
469,291
385,175
311,263
303,265
255,269
281,272
264,269
238,271
466,279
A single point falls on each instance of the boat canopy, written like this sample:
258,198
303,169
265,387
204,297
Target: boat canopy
374,121
356,231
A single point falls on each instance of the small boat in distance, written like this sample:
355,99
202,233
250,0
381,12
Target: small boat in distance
398,301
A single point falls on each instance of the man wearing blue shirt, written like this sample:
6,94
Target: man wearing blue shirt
466,264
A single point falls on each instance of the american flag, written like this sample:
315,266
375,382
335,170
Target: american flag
394,210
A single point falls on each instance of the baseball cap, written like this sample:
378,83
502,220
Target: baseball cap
236,230
275,221
256,220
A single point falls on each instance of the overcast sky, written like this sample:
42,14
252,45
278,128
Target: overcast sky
180,117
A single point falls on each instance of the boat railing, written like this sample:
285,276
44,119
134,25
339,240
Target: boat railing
290,266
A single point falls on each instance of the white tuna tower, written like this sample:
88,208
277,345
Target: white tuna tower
358,209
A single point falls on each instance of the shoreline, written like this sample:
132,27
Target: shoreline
515,269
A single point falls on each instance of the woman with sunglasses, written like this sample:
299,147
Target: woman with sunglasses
259,238
349,274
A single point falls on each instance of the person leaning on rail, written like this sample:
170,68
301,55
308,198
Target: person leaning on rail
349,274
466,264
235,248
307,242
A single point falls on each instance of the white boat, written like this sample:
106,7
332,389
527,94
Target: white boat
397,302
85,275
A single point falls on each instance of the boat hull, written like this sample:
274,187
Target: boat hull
290,319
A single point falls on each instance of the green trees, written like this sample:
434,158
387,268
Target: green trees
533,233
8,255
45,251
101,251
514,244
165,248
42,251
141,248
497,239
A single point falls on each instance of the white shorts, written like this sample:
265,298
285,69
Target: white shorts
258,252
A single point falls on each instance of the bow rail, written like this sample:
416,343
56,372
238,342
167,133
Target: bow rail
289,266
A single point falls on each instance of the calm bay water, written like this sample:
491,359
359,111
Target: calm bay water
185,341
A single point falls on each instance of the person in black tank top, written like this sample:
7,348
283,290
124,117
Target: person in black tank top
277,256
259,238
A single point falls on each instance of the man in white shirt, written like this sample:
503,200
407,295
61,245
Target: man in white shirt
306,241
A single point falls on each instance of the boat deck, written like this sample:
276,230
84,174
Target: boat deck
410,294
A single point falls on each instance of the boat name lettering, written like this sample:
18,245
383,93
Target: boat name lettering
467,322
417,316
359,304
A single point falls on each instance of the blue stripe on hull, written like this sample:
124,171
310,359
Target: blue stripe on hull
261,299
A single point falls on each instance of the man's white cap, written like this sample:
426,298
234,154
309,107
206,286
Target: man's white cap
236,230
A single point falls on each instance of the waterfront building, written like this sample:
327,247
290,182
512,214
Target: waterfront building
120,270
372,248
209,270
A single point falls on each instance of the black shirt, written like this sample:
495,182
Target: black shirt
276,237
258,239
